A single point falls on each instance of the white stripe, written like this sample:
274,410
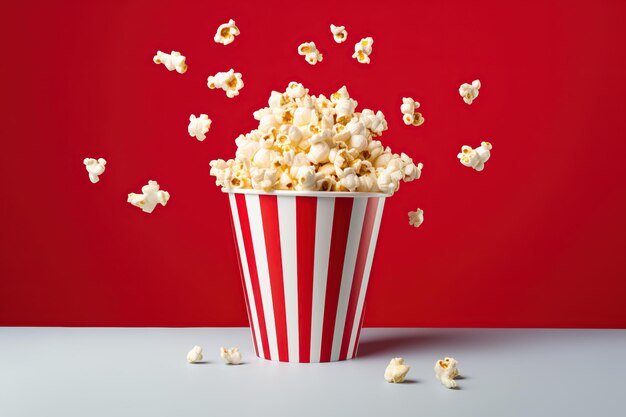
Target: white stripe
260,254
246,274
323,235
352,248
288,253
366,275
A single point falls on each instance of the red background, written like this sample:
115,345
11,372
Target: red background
536,239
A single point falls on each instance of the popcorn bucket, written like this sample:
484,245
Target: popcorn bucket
305,260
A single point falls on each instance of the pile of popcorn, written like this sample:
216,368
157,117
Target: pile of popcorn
309,143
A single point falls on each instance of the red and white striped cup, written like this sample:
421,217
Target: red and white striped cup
305,261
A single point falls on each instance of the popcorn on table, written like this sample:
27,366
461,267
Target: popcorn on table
446,371
409,115
416,218
229,81
173,61
231,356
469,92
150,198
310,53
226,33
194,355
309,143
339,33
362,50
95,168
475,158
198,126
396,370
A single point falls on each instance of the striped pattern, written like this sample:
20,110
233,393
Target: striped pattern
305,264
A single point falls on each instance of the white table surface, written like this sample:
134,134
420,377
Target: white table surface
117,372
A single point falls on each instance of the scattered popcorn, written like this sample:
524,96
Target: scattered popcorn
173,61
310,53
95,168
396,370
226,33
339,33
416,218
194,355
446,371
231,356
475,158
410,116
150,198
198,126
229,81
469,91
309,143
362,50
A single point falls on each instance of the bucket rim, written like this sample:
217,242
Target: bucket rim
327,194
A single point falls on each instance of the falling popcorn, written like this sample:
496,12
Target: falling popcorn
150,198
226,33
231,356
409,115
362,50
173,61
469,91
475,158
310,53
198,126
229,81
309,143
95,168
416,218
396,370
339,33
194,355
446,371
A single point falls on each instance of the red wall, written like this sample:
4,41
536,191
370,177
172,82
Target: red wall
537,239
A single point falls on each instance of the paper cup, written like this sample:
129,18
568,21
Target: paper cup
305,261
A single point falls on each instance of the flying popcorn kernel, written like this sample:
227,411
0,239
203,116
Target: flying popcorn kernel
475,158
446,371
362,50
396,370
194,355
95,168
469,92
409,115
310,53
416,218
230,81
409,105
339,33
173,61
231,356
226,33
150,198
198,126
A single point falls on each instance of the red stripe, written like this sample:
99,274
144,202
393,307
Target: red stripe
254,277
364,244
271,230
306,208
243,283
341,227
358,333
